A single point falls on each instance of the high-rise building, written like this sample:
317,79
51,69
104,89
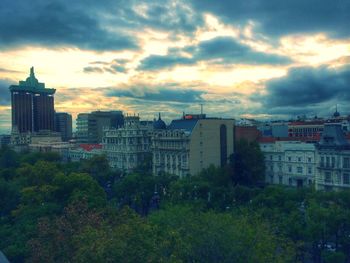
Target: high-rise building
63,125
32,105
90,125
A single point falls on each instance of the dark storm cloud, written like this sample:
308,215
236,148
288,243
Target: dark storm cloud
5,98
162,94
57,23
225,50
231,51
172,16
306,86
276,17
306,90
87,24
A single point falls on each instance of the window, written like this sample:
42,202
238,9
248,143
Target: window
289,169
223,145
309,170
280,179
346,178
280,158
271,157
299,170
346,162
299,159
309,159
333,161
322,161
328,177
327,161
289,159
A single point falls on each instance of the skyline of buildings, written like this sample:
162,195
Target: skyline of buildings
299,153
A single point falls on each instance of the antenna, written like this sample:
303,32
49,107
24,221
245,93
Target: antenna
201,108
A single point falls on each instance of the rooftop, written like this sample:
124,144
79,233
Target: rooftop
31,84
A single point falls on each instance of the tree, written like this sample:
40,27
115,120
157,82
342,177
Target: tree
247,164
194,236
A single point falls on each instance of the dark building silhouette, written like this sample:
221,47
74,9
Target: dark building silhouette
63,125
32,105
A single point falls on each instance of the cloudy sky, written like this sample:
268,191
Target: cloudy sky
240,58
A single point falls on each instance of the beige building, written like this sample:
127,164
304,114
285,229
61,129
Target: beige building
191,144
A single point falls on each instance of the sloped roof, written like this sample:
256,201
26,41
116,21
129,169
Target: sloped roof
187,125
333,136
90,147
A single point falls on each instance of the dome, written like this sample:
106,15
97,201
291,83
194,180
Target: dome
159,124
336,113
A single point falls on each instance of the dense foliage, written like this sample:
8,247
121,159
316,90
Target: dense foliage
84,212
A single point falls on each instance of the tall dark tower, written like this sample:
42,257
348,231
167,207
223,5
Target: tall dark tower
32,105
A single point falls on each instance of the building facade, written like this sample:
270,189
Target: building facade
32,105
5,140
291,163
333,167
63,125
305,129
128,147
90,126
192,144
247,133
84,152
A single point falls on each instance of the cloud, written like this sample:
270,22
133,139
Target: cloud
277,18
306,85
231,51
94,25
3,70
223,50
58,23
5,98
175,17
93,70
113,67
155,62
159,94
306,89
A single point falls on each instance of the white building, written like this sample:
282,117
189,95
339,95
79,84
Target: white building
129,146
333,169
290,163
